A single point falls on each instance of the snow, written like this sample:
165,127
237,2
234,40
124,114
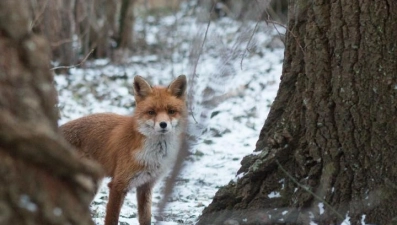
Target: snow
243,75
26,203
347,220
363,219
57,211
321,208
274,195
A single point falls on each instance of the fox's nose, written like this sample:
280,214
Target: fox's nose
163,125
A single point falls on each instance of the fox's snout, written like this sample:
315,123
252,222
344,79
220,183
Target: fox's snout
161,124
165,126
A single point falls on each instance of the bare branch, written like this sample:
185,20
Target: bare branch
36,18
60,42
184,151
76,65
252,35
194,75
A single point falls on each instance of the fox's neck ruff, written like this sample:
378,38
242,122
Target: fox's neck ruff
159,151
162,144
158,154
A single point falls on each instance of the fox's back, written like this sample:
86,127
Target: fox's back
91,134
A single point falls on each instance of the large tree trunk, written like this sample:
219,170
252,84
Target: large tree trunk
329,140
41,179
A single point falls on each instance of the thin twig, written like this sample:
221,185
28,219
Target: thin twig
252,35
39,15
198,58
76,65
184,151
286,28
273,22
309,191
249,41
61,42
171,180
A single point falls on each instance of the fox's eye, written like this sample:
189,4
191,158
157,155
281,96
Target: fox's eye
151,112
171,111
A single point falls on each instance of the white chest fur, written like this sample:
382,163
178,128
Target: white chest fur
158,156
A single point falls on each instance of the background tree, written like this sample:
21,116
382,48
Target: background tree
126,24
329,140
76,29
55,20
41,180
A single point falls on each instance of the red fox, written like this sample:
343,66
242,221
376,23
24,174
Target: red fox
134,150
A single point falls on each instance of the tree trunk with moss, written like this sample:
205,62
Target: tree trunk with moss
327,148
42,181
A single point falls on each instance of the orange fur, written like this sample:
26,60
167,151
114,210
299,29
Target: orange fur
134,150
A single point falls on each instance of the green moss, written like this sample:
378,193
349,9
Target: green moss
260,159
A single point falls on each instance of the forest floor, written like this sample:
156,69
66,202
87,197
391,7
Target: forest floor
237,71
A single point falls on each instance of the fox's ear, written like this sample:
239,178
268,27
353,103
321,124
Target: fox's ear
141,88
178,87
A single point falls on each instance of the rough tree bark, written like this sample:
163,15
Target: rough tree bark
41,179
329,140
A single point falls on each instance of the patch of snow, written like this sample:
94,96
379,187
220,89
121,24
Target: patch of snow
26,203
346,221
237,177
282,181
274,195
321,208
57,211
363,219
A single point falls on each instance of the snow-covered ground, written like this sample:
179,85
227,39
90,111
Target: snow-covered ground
237,76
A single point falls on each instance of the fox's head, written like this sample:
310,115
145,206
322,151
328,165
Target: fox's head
160,110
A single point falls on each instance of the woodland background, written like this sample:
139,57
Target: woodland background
325,153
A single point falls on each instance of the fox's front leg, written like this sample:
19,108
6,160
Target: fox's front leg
118,190
144,197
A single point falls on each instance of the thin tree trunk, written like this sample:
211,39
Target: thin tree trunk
41,179
101,33
96,27
126,24
67,30
327,148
